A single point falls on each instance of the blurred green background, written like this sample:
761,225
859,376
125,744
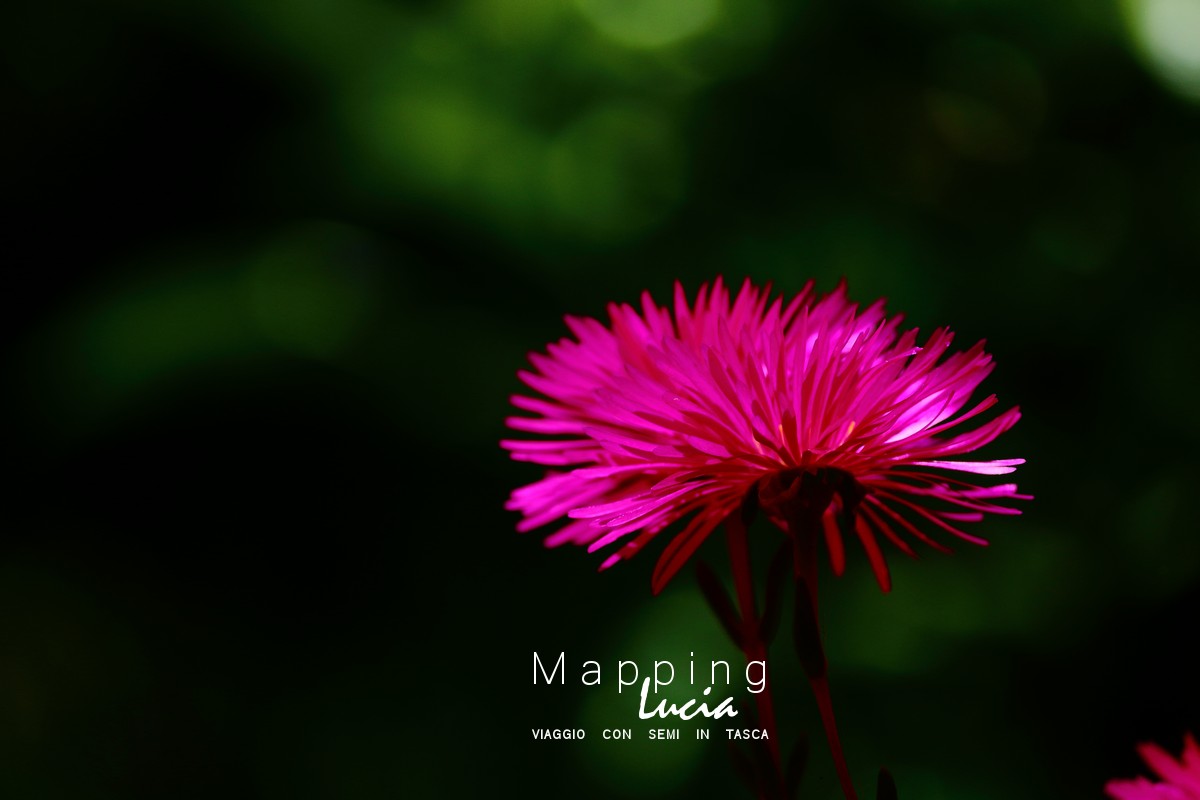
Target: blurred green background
271,269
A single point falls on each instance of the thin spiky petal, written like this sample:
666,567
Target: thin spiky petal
1180,778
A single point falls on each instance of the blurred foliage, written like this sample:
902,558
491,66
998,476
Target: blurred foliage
273,267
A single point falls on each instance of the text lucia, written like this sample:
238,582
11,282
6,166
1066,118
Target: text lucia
663,675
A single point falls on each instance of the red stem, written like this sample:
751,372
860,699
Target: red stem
752,643
806,568
820,687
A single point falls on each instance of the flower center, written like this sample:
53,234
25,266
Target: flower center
796,499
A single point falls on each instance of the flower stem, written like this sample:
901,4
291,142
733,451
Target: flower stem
752,643
806,575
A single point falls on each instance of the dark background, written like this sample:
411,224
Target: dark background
270,269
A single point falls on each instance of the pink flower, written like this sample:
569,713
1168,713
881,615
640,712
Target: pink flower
1181,779
843,424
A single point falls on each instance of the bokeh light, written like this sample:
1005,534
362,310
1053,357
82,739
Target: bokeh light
1167,33
653,23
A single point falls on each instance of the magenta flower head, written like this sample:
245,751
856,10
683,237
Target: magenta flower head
820,414
1180,779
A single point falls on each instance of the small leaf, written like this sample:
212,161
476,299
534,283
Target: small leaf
718,600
